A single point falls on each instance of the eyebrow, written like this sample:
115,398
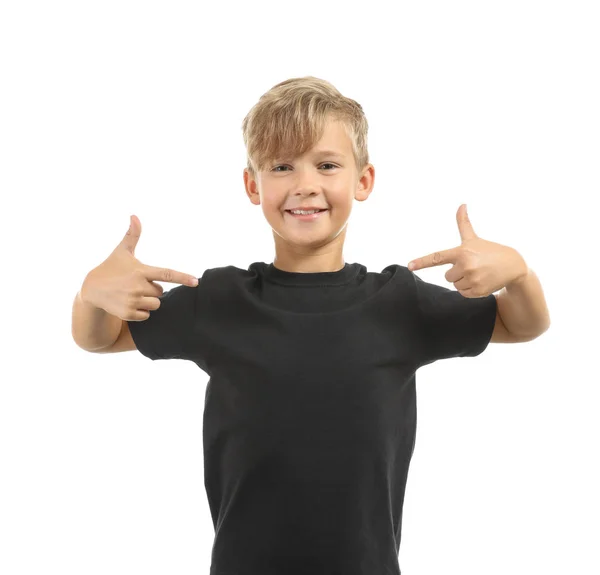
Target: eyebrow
329,153
320,153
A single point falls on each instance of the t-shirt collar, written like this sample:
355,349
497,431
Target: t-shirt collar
340,277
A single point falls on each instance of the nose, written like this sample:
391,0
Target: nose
306,187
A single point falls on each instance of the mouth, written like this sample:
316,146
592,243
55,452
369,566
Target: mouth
307,217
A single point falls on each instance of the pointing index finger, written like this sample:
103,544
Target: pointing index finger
434,259
168,275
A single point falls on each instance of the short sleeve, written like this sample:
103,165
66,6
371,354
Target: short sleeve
452,325
167,333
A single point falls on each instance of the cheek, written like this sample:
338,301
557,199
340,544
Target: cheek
271,204
274,208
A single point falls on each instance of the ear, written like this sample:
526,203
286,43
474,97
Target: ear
365,183
251,187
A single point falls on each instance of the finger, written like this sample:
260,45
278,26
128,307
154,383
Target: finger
434,259
169,275
156,289
132,237
148,304
140,315
465,227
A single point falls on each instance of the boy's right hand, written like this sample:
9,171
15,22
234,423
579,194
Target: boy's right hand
123,286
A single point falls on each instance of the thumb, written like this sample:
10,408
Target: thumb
129,242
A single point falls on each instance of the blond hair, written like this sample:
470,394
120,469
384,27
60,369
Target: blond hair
290,119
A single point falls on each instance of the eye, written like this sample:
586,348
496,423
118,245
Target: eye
324,164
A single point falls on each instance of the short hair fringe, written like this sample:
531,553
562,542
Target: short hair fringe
290,119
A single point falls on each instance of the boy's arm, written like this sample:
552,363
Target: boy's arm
92,328
502,335
123,343
522,311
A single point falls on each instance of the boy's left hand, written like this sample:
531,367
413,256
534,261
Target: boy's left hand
480,267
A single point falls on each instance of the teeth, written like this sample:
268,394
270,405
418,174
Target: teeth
303,212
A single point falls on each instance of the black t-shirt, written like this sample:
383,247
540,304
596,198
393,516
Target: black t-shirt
310,408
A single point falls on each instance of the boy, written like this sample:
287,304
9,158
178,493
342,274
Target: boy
310,413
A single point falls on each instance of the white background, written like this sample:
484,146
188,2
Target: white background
117,108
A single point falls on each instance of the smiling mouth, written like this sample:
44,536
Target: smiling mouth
311,215
318,211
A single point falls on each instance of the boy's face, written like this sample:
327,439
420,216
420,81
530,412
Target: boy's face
322,180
